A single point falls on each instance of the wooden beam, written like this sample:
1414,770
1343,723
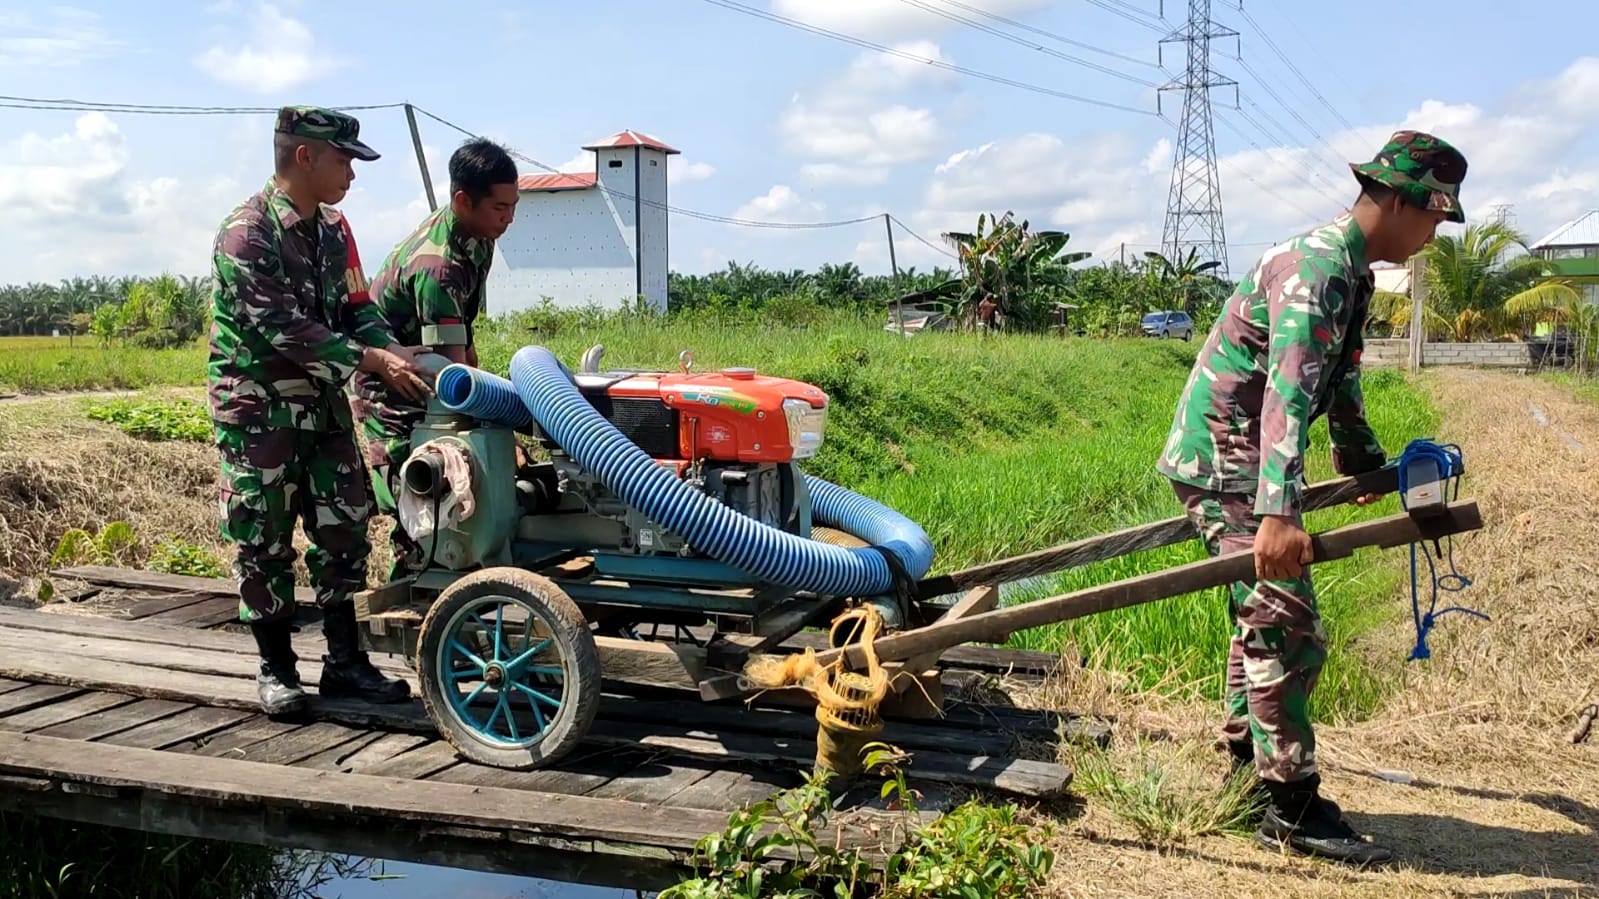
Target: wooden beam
232,782
1139,538
1395,530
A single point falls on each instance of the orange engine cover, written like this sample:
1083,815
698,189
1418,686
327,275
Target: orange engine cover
735,415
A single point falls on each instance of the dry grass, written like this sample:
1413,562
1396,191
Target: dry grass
60,471
1468,772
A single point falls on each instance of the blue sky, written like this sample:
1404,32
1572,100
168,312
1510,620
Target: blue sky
775,123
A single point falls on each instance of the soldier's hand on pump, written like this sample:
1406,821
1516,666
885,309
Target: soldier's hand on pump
398,371
409,354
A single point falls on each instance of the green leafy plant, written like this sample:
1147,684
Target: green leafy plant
156,420
174,556
973,852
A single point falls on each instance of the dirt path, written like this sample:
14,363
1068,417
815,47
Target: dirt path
1482,793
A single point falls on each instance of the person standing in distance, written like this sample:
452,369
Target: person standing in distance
1285,351
430,290
285,338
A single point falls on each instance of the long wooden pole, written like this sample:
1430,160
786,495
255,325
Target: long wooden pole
421,158
998,625
1172,531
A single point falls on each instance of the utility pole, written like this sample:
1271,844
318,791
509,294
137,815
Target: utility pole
899,308
421,161
1418,302
1193,209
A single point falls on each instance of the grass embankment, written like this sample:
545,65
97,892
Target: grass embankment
996,446
47,364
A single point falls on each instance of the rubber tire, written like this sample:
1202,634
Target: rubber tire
573,637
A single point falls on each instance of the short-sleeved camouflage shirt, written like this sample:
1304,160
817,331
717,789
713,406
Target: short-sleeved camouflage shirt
289,321
430,288
1285,350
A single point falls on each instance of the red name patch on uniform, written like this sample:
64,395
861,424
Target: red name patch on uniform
449,321
354,277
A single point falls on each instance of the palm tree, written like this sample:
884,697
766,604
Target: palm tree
1476,280
1004,262
1181,276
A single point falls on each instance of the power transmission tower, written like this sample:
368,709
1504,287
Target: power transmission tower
1193,210
1503,214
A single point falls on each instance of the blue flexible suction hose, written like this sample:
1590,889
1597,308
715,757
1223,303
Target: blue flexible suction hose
544,388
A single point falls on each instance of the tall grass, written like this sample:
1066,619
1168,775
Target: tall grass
47,364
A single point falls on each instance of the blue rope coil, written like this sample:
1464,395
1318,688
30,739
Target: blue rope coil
1451,464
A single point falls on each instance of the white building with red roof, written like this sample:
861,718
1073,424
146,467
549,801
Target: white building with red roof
589,237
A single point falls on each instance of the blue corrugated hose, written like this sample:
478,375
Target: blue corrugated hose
1451,463
544,388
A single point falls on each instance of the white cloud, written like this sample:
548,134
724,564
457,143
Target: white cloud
780,204
582,162
678,172
852,127
55,37
822,173
892,18
281,55
79,212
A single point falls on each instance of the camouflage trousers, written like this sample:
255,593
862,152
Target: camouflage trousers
1278,644
273,477
386,431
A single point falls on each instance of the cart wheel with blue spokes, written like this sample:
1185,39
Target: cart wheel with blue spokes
508,669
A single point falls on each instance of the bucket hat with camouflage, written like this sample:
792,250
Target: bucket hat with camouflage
1422,169
317,123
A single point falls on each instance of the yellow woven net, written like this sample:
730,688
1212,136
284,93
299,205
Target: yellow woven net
846,701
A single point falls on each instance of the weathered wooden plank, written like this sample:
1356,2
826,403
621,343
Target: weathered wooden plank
188,726
206,587
654,781
1139,538
236,741
333,759
117,629
587,861
155,682
114,720
203,614
33,696
732,788
1020,777
299,744
234,782
587,768
423,761
384,748
796,724
60,712
155,603
978,599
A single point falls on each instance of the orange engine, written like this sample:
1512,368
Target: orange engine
734,415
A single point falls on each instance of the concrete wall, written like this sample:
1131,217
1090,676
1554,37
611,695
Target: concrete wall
1396,354
588,246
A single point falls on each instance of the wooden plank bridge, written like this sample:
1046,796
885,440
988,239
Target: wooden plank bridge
133,703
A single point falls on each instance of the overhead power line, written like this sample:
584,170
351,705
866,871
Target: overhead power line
936,63
1029,44
929,244
1049,34
1290,64
71,105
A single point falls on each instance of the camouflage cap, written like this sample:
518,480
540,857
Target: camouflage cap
317,123
1424,170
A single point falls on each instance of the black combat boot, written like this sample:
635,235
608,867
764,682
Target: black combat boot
1300,819
278,682
346,670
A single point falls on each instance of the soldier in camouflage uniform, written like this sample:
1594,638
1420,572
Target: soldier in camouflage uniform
430,290
285,337
1285,351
